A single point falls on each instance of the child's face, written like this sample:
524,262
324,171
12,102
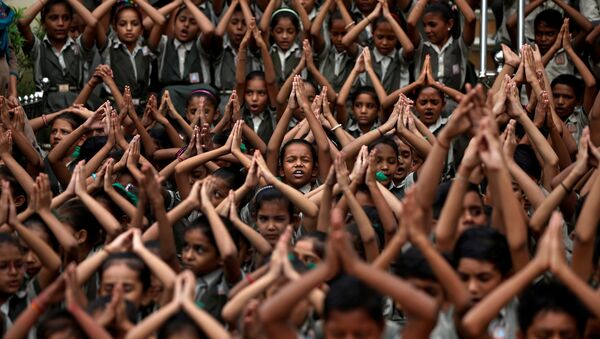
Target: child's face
127,278
60,129
75,28
304,251
365,109
472,212
298,165
405,161
565,100
552,324
128,26
220,192
271,219
352,324
437,29
384,38
236,28
57,22
12,269
544,36
284,33
198,254
209,109
387,161
186,27
32,263
255,96
480,277
337,32
429,106
310,92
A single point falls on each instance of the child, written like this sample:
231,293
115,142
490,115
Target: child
448,52
366,109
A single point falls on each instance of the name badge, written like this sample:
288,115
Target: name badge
194,78
456,69
62,88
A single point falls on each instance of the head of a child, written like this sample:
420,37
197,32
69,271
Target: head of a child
384,38
255,94
186,27
352,308
180,325
429,104
59,323
310,248
76,218
98,307
297,163
548,309
125,271
12,266
273,212
236,27
482,260
76,27
226,179
62,126
438,22
200,253
567,91
56,17
405,161
546,27
365,6
310,90
208,94
32,262
285,25
412,266
386,157
337,30
365,106
17,192
473,210
127,23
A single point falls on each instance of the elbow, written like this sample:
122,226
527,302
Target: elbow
553,161
470,328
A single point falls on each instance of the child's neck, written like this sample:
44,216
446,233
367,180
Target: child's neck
57,44
441,44
131,46
366,128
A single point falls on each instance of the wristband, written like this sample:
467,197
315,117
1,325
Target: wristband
336,127
349,25
565,188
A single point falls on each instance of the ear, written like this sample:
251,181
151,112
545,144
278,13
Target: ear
19,200
81,237
281,174
450,24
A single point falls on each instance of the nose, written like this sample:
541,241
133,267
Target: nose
129,26
472,287
187,254
30,258
254,97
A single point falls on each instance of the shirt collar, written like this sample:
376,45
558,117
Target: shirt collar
291,50
354,126
210,278
67,44
378,56
438,124
440,50
117,44
186,45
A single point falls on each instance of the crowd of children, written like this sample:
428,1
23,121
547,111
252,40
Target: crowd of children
299,169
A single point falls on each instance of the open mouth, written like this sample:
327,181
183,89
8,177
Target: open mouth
298,173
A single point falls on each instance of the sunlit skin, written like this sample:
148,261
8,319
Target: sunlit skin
57,23
298,166
479,277
186,27
387,161
129,27
119,274
552,324
544,36
199,255
473,213
405,162
429,105
437,29
365,109
12,270
236,28
284,33
337,30
352,324
565,100
271,220
255,96
384,38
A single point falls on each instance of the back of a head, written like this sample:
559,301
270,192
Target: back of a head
348,294
550,17
412,264
484,244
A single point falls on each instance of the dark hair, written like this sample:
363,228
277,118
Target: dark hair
422,88
90,147
572,81
121,6
179,323
231,175
59,320
51,3
447,13
525,157
16,188
73,119
347,293
132,261
285,146
385,140
550,296
369,90
201,224
412,264
75,214
484,244
9,239
37,222
255,75
550,17
285,14
268,194
337,15
318,240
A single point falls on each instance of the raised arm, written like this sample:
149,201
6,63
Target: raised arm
353,34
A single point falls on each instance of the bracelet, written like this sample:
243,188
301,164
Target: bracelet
37,308
336,127
565,188
459,177
45,119
249,278
349,25
380,132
